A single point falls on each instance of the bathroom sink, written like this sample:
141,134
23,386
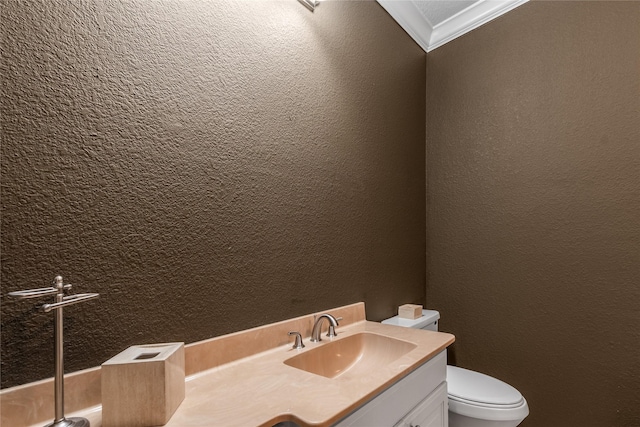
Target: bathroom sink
357,353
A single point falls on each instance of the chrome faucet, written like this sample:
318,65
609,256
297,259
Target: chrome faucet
317,327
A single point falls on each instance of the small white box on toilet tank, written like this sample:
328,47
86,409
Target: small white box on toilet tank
428,321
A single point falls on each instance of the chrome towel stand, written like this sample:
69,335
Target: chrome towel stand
61,301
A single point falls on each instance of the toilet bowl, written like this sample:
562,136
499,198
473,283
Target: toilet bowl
478,400
475,399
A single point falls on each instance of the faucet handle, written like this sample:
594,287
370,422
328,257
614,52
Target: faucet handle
332,329
298,345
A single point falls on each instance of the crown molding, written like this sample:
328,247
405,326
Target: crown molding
428,38
410,19
470,18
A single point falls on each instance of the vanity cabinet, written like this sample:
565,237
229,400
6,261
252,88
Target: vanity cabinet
431,412
419,399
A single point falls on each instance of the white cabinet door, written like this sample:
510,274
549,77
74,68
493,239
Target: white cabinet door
431,412
393,404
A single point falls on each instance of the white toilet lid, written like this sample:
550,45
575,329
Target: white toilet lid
474,387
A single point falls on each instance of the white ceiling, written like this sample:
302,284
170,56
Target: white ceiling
436,12
432,23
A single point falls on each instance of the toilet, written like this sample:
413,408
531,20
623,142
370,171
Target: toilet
475,399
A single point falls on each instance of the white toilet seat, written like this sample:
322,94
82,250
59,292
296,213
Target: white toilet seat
480,396
485,404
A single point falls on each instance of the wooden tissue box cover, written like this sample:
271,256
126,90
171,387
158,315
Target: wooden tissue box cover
143,386
410,311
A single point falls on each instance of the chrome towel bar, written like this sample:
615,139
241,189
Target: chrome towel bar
61,300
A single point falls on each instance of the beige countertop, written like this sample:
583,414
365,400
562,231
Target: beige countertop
241,379
262,390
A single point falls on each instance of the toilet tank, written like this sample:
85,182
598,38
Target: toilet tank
428,321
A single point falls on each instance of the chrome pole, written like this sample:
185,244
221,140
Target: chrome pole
58,381
59,355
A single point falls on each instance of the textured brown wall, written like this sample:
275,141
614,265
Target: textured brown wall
533,226
206,166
